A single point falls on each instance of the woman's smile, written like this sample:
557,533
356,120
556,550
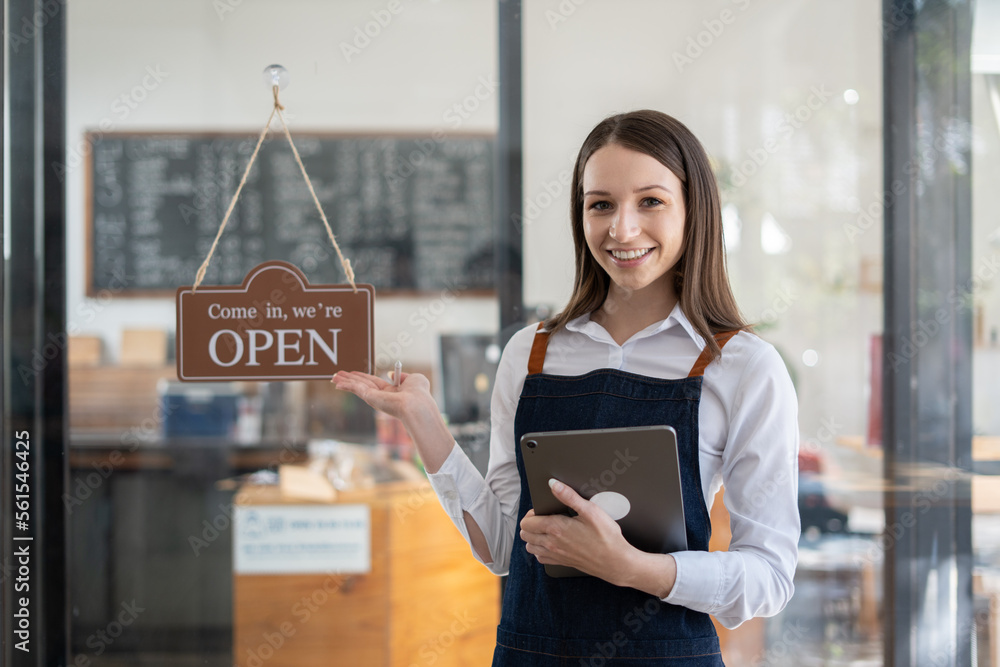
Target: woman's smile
626,257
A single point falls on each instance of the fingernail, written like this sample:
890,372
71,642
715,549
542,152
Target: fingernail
555,484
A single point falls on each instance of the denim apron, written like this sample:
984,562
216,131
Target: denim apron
584,620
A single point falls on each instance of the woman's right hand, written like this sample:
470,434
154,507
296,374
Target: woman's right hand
397,401
411,403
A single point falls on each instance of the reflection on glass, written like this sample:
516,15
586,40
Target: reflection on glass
157,467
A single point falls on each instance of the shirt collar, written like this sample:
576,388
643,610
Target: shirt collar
677,318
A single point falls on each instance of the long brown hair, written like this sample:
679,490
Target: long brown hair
700,277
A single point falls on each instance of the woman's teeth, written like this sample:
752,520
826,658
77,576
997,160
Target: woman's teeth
629,254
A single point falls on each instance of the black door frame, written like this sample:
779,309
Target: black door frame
927,363
34,341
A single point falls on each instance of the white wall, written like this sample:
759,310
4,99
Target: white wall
430,56
583,59
751,63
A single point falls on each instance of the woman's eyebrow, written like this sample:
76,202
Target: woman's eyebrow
605,193
655,187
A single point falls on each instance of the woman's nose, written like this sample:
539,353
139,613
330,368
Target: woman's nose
625,226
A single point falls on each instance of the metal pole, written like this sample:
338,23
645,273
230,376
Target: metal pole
510,169
35,341
927,366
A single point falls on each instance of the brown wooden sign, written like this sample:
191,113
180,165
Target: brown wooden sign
275,326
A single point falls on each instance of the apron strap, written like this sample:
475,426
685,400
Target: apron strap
537,358
706,354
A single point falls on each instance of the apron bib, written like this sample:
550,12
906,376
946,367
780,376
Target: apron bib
549,622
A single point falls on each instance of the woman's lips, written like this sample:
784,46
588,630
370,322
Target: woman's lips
624,260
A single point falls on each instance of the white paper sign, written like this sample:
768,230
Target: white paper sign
302,539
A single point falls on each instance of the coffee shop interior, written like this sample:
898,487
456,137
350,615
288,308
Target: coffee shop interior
857,150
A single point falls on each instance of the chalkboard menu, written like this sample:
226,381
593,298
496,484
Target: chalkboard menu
410,212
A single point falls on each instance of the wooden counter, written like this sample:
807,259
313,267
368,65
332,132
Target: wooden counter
426,599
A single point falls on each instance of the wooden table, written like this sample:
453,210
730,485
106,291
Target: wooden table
985,488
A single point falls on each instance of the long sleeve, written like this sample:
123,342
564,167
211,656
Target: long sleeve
492,502
760,474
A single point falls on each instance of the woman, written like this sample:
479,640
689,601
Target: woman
651,335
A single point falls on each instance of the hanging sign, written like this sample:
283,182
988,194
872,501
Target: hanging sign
275,326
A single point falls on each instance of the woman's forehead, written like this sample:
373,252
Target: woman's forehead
614,168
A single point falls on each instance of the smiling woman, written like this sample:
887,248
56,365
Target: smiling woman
650,313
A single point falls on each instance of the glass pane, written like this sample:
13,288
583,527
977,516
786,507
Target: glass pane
165,102
986,326
786,98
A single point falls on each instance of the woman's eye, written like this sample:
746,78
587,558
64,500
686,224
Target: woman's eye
651,201
600,206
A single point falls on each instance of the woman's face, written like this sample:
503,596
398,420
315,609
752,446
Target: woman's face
633,218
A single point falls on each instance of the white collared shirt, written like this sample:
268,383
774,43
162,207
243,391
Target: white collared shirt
748,440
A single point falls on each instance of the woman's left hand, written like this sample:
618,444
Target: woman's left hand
591,541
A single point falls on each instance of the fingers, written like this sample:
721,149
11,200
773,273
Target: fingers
536,543
567,496
365,378
359,383
374,391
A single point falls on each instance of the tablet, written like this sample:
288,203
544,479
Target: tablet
632,473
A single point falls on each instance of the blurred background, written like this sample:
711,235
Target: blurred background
163,103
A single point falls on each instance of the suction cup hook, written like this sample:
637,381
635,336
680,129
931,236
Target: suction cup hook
276,75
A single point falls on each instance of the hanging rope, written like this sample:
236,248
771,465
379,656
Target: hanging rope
278,108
